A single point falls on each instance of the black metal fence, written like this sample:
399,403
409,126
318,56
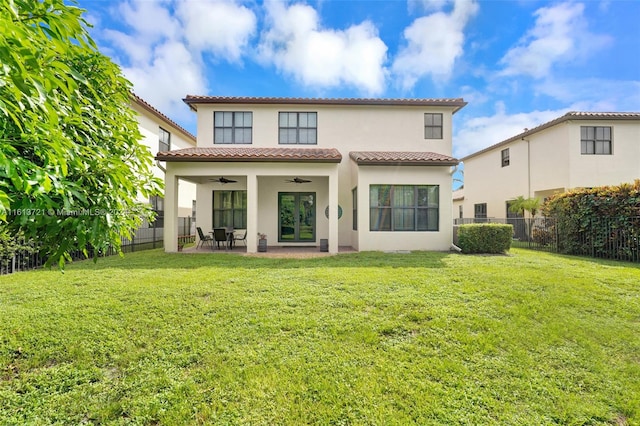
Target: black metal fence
605,238
144,238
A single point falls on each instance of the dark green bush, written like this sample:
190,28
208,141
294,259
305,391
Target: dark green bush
601,222
485,238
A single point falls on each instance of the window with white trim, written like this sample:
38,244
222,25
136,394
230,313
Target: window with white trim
164,140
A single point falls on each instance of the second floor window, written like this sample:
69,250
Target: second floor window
595,140
232,127
505,157
164,140
298,128
433,126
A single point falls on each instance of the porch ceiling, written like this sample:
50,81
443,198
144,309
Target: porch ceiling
211,154
387,158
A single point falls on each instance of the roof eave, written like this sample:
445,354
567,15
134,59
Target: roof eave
406,163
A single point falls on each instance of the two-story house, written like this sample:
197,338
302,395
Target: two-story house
370,174
160,133
576,150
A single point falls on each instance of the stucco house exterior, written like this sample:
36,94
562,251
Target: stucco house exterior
576,150
370,174
160,133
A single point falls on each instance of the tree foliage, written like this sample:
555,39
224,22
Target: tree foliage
72,167
521,205
602,221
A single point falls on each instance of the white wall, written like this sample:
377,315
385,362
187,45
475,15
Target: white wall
555,165
346,128
406,240
149,125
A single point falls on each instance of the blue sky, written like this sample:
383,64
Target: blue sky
517,63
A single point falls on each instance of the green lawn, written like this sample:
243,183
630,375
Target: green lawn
363,338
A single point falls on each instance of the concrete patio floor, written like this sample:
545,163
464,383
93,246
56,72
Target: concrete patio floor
272,251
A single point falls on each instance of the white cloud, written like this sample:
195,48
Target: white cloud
220,27
611,95
297,45
481,132
434,42
560,35
167,78
161,52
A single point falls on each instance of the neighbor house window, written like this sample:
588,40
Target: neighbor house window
480,211
232,127
404,207
354,201
157,205
433,126
164,140
460,212
230,209
595,140
298,128
505,157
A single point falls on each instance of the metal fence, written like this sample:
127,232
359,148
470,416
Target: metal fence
605,238
144,238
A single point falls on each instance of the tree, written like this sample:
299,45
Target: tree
72,167
521,204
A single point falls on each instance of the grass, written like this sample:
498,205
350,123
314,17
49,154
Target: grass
363,338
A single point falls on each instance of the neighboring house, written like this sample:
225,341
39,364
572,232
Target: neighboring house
577,150
371,174
160,133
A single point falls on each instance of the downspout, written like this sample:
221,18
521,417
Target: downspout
528,167
452,170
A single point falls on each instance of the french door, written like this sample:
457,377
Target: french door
297,217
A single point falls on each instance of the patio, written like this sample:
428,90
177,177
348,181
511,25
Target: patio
272,251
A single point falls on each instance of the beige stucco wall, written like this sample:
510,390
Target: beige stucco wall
148,125
597,170
555,165
407,175
346,128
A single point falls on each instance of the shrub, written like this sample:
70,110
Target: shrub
601,222
485,238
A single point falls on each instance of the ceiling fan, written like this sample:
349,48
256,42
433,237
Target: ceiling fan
223,180
298,180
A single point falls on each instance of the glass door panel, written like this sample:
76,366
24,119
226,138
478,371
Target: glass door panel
297,213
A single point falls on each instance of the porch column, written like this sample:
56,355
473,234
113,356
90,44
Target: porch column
333,211
170,212
252,213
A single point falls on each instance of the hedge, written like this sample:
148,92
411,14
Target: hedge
485,238
602,222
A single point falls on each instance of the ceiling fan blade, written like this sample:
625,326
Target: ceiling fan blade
223,180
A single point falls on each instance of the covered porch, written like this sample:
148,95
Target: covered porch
288,194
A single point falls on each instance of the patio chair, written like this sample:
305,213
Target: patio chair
220,235
242,238
203,239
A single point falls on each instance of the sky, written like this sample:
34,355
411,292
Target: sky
517,63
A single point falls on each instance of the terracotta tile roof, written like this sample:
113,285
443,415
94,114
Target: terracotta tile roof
572,115
215,154
193,100
385,158
147,106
